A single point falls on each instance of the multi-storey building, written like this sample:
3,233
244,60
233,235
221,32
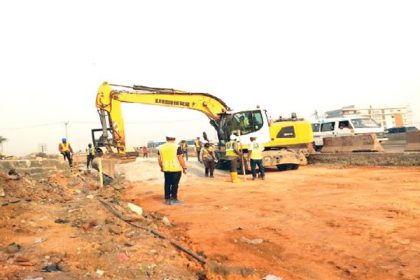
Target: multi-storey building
386,116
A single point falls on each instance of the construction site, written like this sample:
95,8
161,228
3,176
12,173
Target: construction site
210,140
349,210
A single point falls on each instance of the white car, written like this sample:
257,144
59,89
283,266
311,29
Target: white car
345,126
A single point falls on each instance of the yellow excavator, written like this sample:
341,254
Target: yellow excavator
286,141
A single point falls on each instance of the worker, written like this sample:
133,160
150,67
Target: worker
171,164
255,150
184,149
233,154
198,145
207,155
90,155
145,151
65,149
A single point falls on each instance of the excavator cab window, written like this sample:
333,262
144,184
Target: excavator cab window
247,121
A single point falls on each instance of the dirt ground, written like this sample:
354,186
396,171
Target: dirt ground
318,222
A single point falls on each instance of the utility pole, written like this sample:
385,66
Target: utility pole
66,124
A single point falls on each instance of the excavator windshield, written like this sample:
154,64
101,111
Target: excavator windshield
240,123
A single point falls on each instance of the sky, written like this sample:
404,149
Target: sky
286,56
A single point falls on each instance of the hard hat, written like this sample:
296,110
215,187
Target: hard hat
170,134
233,137
63,139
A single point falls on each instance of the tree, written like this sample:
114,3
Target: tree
2,139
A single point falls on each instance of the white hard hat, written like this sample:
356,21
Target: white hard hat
233,137
170,134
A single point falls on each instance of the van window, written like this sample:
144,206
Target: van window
315,127
344,124
329,126
365,123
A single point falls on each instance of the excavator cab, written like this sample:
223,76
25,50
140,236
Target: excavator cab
245,124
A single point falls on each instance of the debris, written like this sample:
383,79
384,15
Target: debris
52,268
33,278
13,248
114,229
135,208
13,175
111,207
61,221
272,277
251,241
100,273
10,201
89,196
2,193
166,221
40,240
122,257
22,261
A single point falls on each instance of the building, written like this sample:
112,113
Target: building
388,117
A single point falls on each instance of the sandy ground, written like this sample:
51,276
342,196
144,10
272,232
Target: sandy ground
317,222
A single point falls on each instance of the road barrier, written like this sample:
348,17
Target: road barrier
413,141
348,144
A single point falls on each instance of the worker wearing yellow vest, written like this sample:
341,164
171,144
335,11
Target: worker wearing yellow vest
208,158
65,149
255,150
90,155
171,163
233,154
198,145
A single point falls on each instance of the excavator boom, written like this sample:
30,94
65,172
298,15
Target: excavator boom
109,98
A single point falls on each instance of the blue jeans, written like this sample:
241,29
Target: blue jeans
254,163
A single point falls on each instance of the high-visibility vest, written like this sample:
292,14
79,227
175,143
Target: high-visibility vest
197,144
230,149
65,147
168,155
90,151
207,153
257,149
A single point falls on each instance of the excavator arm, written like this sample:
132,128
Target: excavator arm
110,97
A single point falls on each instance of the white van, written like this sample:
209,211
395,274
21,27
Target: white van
345,126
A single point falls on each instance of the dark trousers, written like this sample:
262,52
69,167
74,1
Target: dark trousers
185,153
67,156
208,166
89,159
198,154
233,164
254,163
171,184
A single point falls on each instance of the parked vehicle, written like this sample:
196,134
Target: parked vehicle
345,126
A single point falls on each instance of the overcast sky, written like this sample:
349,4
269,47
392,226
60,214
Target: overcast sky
287,56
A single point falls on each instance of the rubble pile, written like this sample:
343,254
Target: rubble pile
57,228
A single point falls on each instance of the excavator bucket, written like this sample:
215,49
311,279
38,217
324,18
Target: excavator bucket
355,143
413,141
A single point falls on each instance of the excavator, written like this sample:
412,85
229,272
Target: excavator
286,140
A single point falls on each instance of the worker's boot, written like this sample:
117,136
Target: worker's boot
234,177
